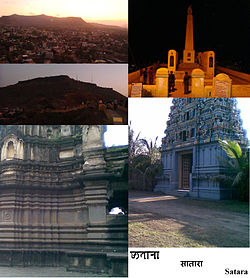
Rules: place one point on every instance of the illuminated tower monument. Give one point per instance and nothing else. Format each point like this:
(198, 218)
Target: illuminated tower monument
(188, 52)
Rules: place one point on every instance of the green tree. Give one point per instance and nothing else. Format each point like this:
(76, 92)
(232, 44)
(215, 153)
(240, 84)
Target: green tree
(144, 161)
(133, 140)
(236, 168)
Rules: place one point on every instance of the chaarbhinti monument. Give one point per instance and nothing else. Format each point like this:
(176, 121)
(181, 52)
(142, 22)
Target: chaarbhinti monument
(195, 75)
(190, 147)
(57, 187)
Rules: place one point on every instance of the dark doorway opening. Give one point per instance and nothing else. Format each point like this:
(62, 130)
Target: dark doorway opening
(186, 169)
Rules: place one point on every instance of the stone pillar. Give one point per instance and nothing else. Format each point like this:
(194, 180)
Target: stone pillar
(162, 82)
(93, 136)
(222, 86)
(210, 64)
(172, 60)
(198, 89)
(96, 198)
(188, 52)
(95, 178)
(92, 147)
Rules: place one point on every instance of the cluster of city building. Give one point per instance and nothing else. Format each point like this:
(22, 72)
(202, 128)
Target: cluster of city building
(39, 45)
(10, 113)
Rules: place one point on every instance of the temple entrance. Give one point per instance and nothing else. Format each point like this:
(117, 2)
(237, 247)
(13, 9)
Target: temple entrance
(185, 169)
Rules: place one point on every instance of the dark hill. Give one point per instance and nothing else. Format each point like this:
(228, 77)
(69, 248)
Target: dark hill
(49, 22)
(55, 91)
(42, 21)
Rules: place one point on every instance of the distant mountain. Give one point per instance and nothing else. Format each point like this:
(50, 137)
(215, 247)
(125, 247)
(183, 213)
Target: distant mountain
(114, 23)
(49, 22)
(42, 21)
(54, 91)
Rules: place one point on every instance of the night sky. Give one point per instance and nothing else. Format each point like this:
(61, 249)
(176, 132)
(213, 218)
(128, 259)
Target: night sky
(221, 26)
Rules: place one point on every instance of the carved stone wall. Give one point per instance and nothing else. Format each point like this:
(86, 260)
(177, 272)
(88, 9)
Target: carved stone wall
(56, 188)
(12, 148)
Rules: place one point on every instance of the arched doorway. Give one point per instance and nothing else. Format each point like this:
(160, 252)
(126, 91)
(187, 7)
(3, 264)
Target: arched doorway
(10, 150)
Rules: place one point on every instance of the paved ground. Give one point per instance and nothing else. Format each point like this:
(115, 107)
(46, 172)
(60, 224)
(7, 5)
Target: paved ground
(179, 90)
(157, 220)
(42, 272)
(37, 271)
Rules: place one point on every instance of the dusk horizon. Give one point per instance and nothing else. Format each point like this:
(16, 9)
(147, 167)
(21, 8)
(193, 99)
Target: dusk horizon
(91, 11)
(103, 75)
(61, 76)
(123, 23)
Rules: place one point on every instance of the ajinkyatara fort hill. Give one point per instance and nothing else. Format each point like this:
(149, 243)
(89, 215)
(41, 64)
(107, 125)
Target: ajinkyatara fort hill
(190, 149)
(59, 185)
(194, 75)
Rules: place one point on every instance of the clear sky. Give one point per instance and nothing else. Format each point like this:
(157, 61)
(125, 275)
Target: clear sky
(104, 75)
(88, 10)
(116, 135)
(149, 116)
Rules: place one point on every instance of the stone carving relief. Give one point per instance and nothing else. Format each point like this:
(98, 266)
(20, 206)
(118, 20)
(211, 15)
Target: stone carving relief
(92, 139)
(65, 130)
(7, 216)
(93, 136)
(12, 148)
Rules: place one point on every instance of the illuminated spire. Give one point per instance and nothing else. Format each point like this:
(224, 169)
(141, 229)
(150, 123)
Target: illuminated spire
(188, 54)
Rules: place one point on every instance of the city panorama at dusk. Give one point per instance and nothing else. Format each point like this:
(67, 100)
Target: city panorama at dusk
(63, 32)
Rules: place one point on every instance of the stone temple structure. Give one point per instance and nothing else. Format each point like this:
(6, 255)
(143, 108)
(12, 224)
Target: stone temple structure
(57, 187)
(190, 148)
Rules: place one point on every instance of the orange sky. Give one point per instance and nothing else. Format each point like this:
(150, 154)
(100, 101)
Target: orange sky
(89, 10)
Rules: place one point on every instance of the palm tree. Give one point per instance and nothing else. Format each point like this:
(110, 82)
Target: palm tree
(135, 175)
(134, 144)
(150, 149)
(236, 168)
(144, 161)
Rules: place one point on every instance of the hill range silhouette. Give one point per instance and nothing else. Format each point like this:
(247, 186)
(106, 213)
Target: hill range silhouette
(51, 22)
(54, 93)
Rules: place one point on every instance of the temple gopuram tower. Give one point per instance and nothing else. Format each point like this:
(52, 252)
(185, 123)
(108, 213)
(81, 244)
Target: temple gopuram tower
(58, 184)
(190, 148)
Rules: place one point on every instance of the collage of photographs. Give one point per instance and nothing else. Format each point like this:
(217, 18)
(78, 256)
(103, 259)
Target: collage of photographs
(124, 138)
